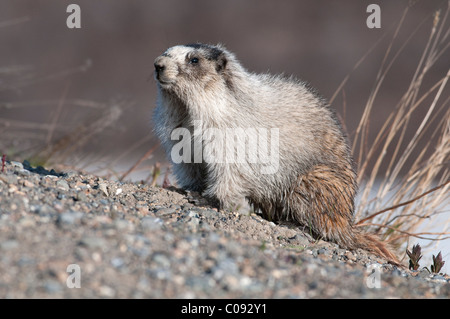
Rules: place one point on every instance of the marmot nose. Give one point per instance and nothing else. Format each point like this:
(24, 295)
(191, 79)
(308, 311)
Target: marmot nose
(159, 67)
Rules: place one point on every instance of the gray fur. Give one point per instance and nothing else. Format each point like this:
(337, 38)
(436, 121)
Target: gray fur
(315, 184)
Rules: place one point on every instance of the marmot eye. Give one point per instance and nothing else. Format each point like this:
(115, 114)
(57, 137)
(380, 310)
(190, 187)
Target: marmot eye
(193, 61)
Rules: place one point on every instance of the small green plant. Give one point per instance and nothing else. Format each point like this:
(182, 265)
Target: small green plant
(414, 257)
(437, 263)
(263, 245)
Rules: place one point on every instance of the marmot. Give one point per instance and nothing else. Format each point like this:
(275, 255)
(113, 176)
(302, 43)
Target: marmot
(203, 87)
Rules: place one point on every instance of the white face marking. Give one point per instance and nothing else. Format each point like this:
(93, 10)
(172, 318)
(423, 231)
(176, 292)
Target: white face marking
(178, 53)
(171, 59)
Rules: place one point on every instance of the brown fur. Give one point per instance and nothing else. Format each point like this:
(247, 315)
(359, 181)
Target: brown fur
(322, 200)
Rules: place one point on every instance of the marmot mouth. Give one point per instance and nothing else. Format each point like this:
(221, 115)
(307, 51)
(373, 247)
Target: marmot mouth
(162, 81)
(165, 84)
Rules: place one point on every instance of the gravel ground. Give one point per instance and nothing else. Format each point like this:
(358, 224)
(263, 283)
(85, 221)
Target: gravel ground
(130, 240)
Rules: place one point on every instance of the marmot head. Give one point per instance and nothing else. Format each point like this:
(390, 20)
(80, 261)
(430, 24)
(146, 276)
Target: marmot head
(192, 67)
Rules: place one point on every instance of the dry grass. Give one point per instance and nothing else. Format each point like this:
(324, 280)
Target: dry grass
(414, 184)
(65, 135)
(59, 141)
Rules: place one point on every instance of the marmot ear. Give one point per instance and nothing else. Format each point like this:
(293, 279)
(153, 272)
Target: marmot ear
(221, 63)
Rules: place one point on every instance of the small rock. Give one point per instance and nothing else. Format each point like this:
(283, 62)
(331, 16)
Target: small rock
(9, 244)
(161, 259)
(22, 172)
(106, 291)
(138, 197)
(424, 274)
(52, 286)
(224, 267)
(8, 179)
(69, 218)
(62, 184)
(103, 188)
(439, 278)
(27, 222)
(350, 255)
(121, 224)
(199, 283)
(93, 242)
(96, 257)
(193, 214)
(81, 196)
(210, 213)
(191, 220)
(16, 165)
(44, 210)
(187, 206)
(165, 211)
(70, 174)
(48, 176)
(27, 183)
(117, 262)
(13, 189)
(151, 223)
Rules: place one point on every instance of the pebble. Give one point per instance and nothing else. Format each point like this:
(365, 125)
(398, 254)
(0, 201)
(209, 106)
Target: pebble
(93, 242)
(165, 211)
(9, 244)
(81, 196)
(69, 218)
(103, 187)
(224, 267)
(16, 165)
(121, 224)
(190, 220)
(52, 286)
(27, 222)
(62, 184)
(106, 291)
(350, 256)
(27, 183)
(22, 172)
(44, 210)
(8, 179)
(161, 259)
(117, 262)
(151, 223)
(424, 273)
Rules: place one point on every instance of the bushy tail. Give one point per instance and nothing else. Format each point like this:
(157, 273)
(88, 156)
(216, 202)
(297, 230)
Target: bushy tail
(373, 244)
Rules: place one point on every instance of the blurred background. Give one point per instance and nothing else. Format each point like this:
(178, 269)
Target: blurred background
(85, 96)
